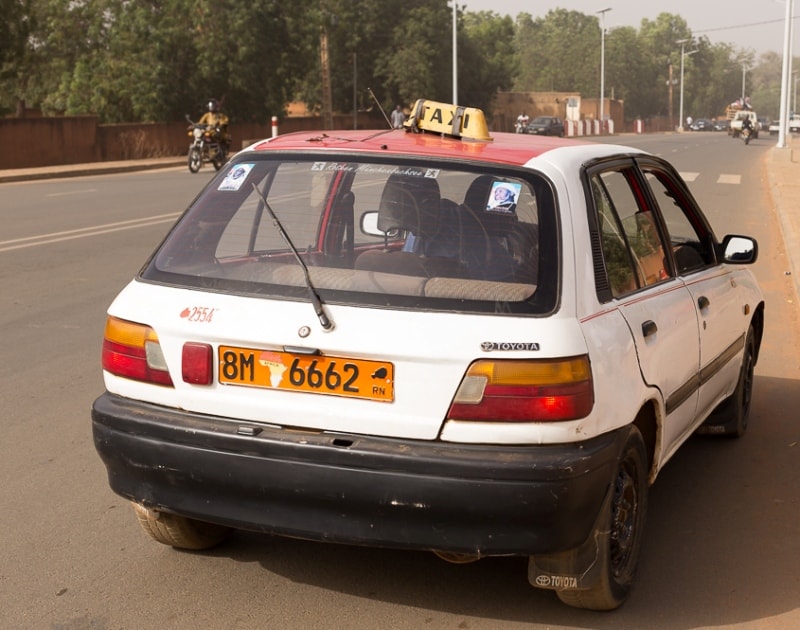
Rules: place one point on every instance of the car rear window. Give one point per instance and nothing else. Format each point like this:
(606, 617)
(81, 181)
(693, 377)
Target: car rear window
(437, 236)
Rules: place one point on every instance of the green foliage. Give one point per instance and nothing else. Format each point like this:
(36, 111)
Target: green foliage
(156, 60)
(554, 51)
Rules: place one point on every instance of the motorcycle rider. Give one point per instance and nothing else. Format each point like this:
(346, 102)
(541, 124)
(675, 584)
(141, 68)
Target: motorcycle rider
(522, 123)
(747, 129)
(215, 118)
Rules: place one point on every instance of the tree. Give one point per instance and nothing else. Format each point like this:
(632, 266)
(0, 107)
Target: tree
(486, 58)
(560, 52)
(418, 60)
(15, 31)
(628, 71)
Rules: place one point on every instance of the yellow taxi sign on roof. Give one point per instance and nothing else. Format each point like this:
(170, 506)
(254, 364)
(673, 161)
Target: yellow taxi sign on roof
(452, 120)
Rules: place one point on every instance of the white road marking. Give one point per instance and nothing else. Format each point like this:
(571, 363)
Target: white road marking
(689, 177)
(72, 192)
(729, 179)
(55, 237)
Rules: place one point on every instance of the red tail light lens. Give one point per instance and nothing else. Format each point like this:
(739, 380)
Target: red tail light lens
(525, 391)
(132, 351)
(197, 363)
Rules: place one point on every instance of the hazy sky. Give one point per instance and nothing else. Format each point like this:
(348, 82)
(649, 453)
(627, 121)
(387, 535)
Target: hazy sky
(720, 21)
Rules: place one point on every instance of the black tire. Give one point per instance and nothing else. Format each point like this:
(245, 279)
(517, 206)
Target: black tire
(619, 538)
(731, 417)
(178, 531)
(195, 159)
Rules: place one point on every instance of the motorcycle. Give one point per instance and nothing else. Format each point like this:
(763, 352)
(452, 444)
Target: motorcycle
(205, 146)
(746, 133)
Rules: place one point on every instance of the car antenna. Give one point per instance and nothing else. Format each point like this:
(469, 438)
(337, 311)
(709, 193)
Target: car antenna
(375, 98)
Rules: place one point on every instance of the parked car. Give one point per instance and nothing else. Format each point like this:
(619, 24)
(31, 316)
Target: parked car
(701, 124)
(546, 126)
(721, 124)
(429, 338)
(763, 123)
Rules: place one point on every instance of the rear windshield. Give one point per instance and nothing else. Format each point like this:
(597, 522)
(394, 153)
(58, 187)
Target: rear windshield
(407, 235)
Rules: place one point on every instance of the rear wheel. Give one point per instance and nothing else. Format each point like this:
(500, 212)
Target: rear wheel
(731, 417)
(195, 159)
(179, 531)
(619, 538)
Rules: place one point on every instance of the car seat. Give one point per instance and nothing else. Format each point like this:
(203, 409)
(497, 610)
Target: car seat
(410, 203)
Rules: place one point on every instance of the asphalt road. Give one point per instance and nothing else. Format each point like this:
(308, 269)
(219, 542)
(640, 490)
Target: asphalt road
(723, 539)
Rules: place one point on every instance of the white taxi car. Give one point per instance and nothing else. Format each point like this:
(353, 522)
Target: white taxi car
(429, 338)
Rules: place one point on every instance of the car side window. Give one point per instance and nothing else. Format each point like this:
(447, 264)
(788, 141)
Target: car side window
(633, 250)
(690, 243)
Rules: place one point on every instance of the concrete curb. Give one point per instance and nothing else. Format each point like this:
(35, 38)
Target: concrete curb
(783, 173)
(94, 168)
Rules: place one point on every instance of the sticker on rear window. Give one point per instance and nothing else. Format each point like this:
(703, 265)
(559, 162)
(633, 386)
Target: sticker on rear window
(503, 198)
(236, 177)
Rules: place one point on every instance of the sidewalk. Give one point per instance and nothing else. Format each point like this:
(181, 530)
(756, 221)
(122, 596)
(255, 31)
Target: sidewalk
(94, 168)
(783, 173)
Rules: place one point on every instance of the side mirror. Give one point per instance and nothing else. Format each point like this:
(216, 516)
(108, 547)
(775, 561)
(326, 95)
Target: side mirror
(739, 250)
(369, 225)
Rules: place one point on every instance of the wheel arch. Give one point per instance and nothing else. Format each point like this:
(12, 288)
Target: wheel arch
(757, 322)
(647, 423)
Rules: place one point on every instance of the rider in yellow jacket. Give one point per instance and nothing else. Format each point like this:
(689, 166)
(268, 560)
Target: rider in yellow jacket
(217, 119)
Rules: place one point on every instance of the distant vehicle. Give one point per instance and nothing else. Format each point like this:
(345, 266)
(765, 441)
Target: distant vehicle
(546, 126)
(794, 125)
(763, 123)
(721, 124)
(736, 123)
(701, 124)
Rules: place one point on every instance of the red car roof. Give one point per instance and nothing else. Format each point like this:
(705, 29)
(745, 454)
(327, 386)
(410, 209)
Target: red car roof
(507, 148)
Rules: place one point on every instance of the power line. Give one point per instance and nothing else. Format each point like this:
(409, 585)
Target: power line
(730, 28)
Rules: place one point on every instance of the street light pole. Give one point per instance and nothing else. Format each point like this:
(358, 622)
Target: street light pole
(455, 56)
(785, 74)
(602, 13)
(744, 69)
(682, 42)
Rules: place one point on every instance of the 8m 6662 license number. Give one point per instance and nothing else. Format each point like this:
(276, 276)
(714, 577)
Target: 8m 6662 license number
(355, 378)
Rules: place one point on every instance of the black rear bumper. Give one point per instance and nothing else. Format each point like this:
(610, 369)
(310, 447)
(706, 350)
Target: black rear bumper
(491, 500)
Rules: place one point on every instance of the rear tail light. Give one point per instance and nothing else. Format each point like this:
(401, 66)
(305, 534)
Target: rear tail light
(132, 351)
(525, 391)
(197, 363)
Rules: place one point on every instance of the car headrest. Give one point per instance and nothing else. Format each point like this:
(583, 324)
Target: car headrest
(410, 201)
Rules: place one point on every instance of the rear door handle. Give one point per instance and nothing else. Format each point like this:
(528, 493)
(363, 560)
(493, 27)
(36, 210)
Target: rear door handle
(649, 328)
(703, 302)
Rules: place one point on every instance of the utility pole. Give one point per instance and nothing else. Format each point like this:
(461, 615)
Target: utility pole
(455, 54)
(325, 69)
(602, 13)
(670, 83)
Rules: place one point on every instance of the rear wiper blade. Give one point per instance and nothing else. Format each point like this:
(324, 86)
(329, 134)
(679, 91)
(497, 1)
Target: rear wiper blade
(326, 323)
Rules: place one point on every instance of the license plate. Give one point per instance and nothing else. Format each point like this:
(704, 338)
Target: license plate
(317, 374)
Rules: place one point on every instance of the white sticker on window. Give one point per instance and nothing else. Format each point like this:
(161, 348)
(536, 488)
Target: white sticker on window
(236, 177)
(503, 198)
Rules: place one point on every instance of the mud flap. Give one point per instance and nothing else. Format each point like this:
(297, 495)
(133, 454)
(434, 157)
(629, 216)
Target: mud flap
(579, 568)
